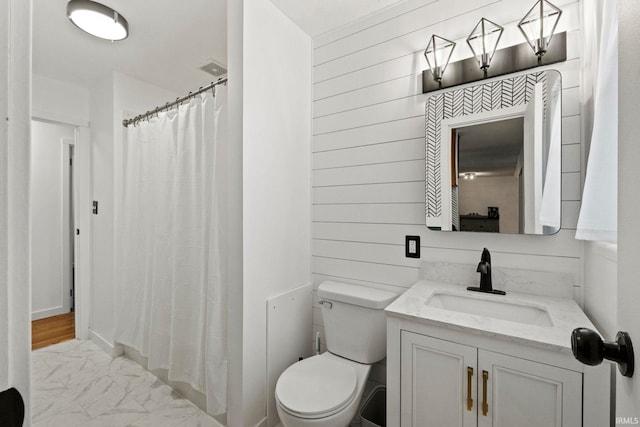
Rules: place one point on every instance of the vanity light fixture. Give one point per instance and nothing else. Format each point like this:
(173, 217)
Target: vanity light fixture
(438, 53)
(469, 175)
(539, 25)
(97, 19)
(483, 42)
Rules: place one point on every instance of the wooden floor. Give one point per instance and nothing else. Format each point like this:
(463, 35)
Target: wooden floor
(52, 330)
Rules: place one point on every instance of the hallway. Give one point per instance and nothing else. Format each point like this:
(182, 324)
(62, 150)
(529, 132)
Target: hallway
(52, 330)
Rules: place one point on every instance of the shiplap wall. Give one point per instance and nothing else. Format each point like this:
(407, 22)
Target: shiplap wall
(369, 148)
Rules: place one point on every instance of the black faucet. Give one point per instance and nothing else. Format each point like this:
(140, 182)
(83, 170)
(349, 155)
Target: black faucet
(484, 268)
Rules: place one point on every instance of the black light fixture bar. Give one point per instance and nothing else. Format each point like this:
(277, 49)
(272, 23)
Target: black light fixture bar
(505, 61)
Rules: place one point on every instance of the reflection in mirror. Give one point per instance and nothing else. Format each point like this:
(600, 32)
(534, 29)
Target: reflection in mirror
(493, 156)
(490, 160)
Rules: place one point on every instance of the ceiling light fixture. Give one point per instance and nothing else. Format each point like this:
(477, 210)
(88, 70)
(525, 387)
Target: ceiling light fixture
(97, 19)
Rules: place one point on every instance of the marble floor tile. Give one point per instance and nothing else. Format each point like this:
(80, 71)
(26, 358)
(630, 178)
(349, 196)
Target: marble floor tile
(174, 413)
(73, 416)
(199, 420)
(75, 383)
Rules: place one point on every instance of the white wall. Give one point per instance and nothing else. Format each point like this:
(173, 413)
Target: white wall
(235, 90)
(61, 102)
(601, 286)
(110, 100)
(276, 129)
(369, 139)
(50, 281)
(501, 191)
(15, 112)
(102, 224)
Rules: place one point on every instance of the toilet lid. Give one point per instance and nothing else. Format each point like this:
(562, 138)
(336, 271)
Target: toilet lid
(317, 386)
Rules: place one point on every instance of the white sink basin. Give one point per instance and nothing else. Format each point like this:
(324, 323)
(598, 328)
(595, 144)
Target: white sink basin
(495, 308)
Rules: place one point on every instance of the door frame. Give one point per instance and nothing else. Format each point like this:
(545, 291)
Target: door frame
(628, 317)
(68, 229)
(82, 220)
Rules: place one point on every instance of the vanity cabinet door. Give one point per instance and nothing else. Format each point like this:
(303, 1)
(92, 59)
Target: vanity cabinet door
(527, 394)
(438, 383)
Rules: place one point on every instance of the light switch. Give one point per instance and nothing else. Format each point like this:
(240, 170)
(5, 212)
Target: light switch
(412, 246)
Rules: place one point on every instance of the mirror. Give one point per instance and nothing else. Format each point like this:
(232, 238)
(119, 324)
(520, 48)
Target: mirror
(493, 156)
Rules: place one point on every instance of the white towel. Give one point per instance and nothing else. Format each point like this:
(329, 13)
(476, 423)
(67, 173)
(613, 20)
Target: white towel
(599, 212)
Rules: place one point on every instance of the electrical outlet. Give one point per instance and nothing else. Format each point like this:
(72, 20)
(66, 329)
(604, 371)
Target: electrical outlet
(412, 246)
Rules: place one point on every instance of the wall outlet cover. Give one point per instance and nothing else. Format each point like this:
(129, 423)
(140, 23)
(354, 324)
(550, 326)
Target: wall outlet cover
(412, 246)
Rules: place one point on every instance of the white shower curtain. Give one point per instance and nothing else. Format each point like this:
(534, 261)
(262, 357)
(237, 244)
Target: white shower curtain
(171, 274)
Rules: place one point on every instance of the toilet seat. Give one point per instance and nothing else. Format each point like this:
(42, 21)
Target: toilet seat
(316, 387)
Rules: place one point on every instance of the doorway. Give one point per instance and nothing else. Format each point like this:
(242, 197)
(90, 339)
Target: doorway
(52, 217)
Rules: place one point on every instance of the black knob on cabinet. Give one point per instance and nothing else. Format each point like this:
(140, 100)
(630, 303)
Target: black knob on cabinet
(588, 348)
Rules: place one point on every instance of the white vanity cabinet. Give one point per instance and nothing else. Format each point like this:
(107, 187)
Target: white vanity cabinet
(489, 361)
(437, 379)
(443, 383)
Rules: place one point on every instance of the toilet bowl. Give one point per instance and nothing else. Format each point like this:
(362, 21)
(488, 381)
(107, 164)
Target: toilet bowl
(325, 390)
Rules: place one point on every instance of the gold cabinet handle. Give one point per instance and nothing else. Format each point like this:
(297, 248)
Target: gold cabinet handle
(469, 379)
(485, 405)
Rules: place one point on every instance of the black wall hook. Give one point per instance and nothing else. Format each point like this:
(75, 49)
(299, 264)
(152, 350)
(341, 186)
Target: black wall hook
(588, 348)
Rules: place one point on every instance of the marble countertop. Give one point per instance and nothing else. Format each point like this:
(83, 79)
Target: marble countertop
(564, 313)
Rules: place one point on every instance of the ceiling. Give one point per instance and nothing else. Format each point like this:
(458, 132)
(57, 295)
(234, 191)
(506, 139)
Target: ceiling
(168, 42)
(166, 46)
(491, 149)
(319, 16)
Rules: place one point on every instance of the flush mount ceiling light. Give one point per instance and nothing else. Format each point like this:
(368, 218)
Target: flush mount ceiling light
(483, 42)
(438, 53)
(539, 24)
(97, 19)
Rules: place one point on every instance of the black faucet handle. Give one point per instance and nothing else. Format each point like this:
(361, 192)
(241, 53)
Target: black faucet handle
(482, 267)
(486, 256)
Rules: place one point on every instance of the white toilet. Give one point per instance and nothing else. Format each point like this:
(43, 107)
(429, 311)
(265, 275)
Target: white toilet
(325, 390)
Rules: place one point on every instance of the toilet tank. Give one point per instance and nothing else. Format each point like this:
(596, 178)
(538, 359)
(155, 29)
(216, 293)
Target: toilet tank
(354, 321)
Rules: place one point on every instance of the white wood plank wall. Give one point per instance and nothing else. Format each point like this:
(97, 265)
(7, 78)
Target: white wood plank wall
(368, 148)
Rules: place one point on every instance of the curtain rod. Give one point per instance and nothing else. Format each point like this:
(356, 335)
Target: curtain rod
(170, 105)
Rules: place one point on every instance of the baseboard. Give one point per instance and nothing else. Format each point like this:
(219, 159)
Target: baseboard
(216, 422)
(114, 350)
(48, 312)
(262, 423)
